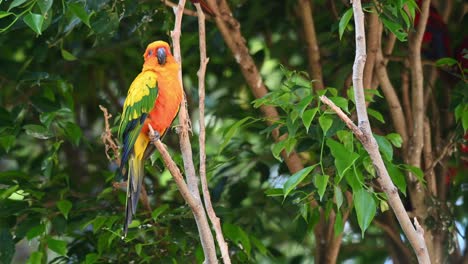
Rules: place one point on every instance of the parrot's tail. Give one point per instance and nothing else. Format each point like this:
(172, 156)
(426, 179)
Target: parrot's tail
(134, 182)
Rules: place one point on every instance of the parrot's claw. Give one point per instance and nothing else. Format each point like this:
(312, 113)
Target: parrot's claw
(153, 134)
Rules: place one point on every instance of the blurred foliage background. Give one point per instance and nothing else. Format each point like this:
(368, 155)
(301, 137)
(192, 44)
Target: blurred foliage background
(60, 60)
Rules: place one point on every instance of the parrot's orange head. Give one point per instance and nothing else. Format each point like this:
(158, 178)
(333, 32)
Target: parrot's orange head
(157, 54)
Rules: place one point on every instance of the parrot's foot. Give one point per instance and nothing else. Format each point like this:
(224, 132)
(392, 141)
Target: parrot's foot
(153, 134)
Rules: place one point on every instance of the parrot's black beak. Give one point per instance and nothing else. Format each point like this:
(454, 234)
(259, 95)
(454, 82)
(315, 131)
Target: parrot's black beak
(161, 56)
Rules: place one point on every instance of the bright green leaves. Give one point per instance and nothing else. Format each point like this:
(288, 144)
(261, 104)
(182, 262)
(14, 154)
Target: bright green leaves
(238, 236)
(461, 115)
(64, 206)
(78, 10)
(446, 62)
(38, 131)
(320, 182)
(365, 207)
(58, 246)
(308, 116)
(16, 3)
(67, 55)
(344, 159)
(296, 179)
(344, 21)
(45, 5)
(233, 131)
(34, 21)
(395, 28)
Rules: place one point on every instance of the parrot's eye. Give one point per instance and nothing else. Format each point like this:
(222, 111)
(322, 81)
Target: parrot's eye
(161, 56)
(150, 53)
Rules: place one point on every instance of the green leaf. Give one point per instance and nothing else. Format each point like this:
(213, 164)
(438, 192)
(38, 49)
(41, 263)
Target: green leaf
(231, 132)
(34, 21)
(302, 105)
(5, 193)
(296, 178)
(237, 235)
(138, 248)
(6, 142)
(325, 123)
(15, 4)
(308, 116)
(344, 21)
(37, 131)
(67, 55)
(274, 192)
(344, 159)
(64, 207)
(259, 245)
(375, 114)
(35, 258)
(395, 28)
(365, 207)
(398, 178)
(395, 139)
(276, 149)
(340, 102)
(321, 181)
(45, 5)
(158, 211)
(7, 246)
(338, 196)
(78, 10)
(35, 231)
(91, 258)
(5, 14)
(338, 225)
(73, 132)
(446, 61)
(385, 147)
(415, 171)
(58, 246)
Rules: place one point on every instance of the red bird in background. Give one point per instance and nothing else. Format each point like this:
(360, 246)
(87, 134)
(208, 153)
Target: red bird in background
(205, 7)
(436, 40)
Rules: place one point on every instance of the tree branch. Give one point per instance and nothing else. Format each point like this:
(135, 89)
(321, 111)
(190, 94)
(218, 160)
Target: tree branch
(417, 89)
(206, 236)
(396, 111)
(372, 48)
(215, 222)
(304, 9)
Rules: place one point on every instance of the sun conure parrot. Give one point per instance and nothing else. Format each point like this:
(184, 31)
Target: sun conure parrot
(153, 98)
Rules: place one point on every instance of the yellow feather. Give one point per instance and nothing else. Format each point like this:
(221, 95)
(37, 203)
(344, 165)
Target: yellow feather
(140, 146)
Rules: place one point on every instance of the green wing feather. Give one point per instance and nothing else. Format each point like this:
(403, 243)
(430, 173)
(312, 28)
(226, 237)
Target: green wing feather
(139, 102)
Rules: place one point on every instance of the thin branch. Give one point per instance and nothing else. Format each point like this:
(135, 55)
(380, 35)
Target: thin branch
(394, 236)
(206, 237)
(174, 5)
(304, 9)
(372, 48)
(417, 88)
(406, 101)
(446, 151)
(427, 151)
(396, 111)
(108, 139)
(215, 222)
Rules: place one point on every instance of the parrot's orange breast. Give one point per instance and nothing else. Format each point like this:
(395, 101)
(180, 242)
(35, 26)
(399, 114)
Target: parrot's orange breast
(166, 105)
